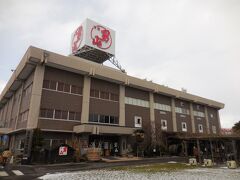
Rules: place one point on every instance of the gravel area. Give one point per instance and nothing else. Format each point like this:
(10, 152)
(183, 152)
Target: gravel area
(199, 173)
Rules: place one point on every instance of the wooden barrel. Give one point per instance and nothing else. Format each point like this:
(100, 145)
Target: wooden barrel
(93, 154)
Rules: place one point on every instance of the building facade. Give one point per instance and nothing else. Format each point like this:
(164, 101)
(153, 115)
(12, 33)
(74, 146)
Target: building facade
(69, 97)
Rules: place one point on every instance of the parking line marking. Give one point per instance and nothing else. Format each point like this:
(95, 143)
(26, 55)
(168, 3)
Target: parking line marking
(17, 172)
(3, 173)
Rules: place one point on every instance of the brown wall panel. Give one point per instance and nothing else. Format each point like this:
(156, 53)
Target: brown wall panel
(161, 99)
(104, 86)
(104, 107)
(63, 76)
(62, 101)
(136, 93)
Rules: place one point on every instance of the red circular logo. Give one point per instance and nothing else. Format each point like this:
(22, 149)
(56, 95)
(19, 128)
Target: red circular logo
(101, 37)
(77, 39)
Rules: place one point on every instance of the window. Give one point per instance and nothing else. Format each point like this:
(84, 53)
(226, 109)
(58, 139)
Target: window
(164, 124)
(163, 112)
(94, 93)
(53, 85)
(60, 86)
(181, 110)
(184, 127)
(162, 107)
(46, 84)
(76, 90)
(182, 104)
(58, 114)
(200, 128)
(198, 107)
(113, 97)
(21, 144)
(104, 95)
(198, 113)
(66, 88)
(138, 121)
(105, 119)
(214, 129)
(136, 102)
(46, 113)
(64, 115)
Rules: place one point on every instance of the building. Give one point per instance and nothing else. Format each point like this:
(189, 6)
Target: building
(69, 97)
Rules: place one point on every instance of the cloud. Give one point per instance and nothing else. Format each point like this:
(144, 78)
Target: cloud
(189, 43)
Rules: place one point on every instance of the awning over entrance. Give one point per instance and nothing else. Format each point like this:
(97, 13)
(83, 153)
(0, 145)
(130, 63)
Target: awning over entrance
(5, 130)
(103, 129)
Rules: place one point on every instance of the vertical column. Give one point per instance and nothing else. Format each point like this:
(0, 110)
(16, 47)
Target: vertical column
(36, 95)
(152, 118)
(207, 120)
(198, 148)
(121, 105)
(174, 119)
(86, 99)
(192, 118)
(219, 123)
(234, 150)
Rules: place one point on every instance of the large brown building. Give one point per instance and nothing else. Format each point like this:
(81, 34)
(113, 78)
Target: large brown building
(69, 97)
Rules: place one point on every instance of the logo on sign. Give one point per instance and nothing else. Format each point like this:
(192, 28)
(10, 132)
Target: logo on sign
(63, 151)
(77, 39)
(101, 37)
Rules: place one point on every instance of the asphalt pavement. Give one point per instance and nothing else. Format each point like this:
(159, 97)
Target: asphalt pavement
(29, 172)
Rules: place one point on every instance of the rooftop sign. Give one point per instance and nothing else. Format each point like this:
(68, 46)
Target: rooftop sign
(93, 41)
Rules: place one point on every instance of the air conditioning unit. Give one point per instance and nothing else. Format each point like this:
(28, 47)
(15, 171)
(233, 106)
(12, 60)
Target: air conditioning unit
(231, 164)
(193, 161)
(208, 162)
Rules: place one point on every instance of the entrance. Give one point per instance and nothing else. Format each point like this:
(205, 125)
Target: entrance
(109, 144)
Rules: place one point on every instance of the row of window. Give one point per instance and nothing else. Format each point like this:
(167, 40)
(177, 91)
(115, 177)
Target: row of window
(105, 119)
(103, 95)
(136, 102)
(198, 113)
(60, 114)
(62, 87)
(162, 107)
(181, 110)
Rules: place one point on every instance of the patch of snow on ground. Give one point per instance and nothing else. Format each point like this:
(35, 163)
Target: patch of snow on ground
(200, 173)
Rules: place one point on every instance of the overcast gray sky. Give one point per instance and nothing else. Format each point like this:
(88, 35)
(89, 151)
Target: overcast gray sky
(193, 44)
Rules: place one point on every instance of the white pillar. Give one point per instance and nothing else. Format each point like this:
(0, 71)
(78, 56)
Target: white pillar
(174, 119)
(121, 105)
(152, 117)
(36, 95)
(86, 99)
(192, 118)
(207, 120)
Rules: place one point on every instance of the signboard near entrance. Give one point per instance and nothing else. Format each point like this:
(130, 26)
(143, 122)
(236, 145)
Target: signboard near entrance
(63, 150)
